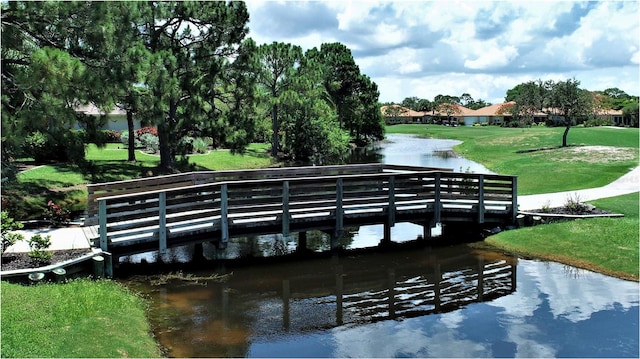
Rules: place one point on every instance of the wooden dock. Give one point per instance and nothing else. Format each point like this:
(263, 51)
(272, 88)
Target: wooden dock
(157, 213)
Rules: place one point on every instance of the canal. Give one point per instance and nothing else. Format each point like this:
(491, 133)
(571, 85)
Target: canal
(453, 301)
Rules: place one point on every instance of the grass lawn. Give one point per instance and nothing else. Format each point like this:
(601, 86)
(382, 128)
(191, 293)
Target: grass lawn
(66, 184)
(80, 319)
(505, 151)
(605, 245)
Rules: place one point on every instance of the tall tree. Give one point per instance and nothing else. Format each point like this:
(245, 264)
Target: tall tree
(279, 62)
(192, 46)
(310, 122)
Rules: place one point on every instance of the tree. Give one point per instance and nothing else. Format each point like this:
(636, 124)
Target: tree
(566, 99)
(526, 100)
(192, 48)
(349, 92)
(630, 113)
(46, 49)
(279, 62)
(310, 124)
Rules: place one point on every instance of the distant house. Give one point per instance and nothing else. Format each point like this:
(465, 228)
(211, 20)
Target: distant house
(116, 119)
(396, 114)
(446, 114)
(617, 117)
(498, 114)
(491, 115)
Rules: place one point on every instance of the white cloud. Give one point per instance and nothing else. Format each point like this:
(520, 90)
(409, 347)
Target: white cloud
(426, 48)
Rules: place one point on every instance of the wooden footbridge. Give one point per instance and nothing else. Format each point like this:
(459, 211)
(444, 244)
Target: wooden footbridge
(156, 213)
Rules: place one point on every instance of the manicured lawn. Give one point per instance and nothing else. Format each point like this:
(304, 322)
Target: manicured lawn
(606, 245)
(80, 319)
(66, 184)
(506, 151)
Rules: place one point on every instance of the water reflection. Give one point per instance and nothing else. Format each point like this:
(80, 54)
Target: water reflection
(443, 302)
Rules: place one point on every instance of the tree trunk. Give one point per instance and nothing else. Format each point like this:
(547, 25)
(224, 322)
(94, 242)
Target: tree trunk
(564, 136)
(132, 142)
(276, 128)
(164, 139)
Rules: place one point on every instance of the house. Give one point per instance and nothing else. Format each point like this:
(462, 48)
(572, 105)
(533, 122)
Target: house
(446, 114)
(396, 114)
(116, 119)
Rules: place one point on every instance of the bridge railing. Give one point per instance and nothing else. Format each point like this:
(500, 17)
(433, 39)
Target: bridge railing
(230, 208)
(203, 177)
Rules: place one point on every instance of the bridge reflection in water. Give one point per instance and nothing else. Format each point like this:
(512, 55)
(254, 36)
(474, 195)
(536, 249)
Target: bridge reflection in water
(287, 299)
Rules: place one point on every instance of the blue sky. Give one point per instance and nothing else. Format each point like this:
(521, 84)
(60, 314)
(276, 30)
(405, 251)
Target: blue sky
(484, 48)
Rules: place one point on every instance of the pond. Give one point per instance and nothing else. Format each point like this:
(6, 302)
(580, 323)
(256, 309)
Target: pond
(453, 301)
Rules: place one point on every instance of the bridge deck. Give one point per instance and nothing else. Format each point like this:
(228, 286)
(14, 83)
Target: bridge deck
(146, 217)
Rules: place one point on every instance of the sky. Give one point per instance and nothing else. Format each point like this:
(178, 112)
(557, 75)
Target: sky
(483, 48)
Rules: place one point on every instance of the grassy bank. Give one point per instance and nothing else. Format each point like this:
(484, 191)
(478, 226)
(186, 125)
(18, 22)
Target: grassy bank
(79, 319)
(605, 245)
(533, 154)
(66, 184)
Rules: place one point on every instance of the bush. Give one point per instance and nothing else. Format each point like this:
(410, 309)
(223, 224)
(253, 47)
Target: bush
(200, 145)
(185, 146)
(56, 215)
(35, 146)
(148, 129)
(63, 146)
(112, 136)
(124, 138)
(8, 225)
(150, 142)
(39, 246)
(598, 122)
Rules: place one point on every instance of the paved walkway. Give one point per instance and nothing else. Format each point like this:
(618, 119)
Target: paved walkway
(626, 184)
(75, 238)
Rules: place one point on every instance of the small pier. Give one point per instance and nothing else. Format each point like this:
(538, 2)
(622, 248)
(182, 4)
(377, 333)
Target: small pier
(128, 217)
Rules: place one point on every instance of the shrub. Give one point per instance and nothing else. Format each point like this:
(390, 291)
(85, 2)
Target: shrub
(112, 136)
(598, 122)
(39, 246)
(56, 215)
(8, 225)
(148, 129)
(64, 146)
(124, 138)
(150, 142)
(574, 205)
(35, 146)
(200, 145)
(185, 146)
(72, 144)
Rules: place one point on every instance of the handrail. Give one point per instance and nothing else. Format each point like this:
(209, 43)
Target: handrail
(391, 192)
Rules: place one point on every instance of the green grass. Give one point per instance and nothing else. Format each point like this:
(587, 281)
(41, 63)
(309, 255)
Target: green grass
(606, 245)
(79, 319)
(502, 150)
(66, 184)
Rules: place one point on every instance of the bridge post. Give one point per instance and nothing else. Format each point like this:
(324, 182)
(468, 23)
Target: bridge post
(102, 216)
(339, 214)
(392, 202)
(436, 203)
(285, 208)
(481, 199)
(514, 198)
(162, 222)
(224, 219)
(391, 211)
